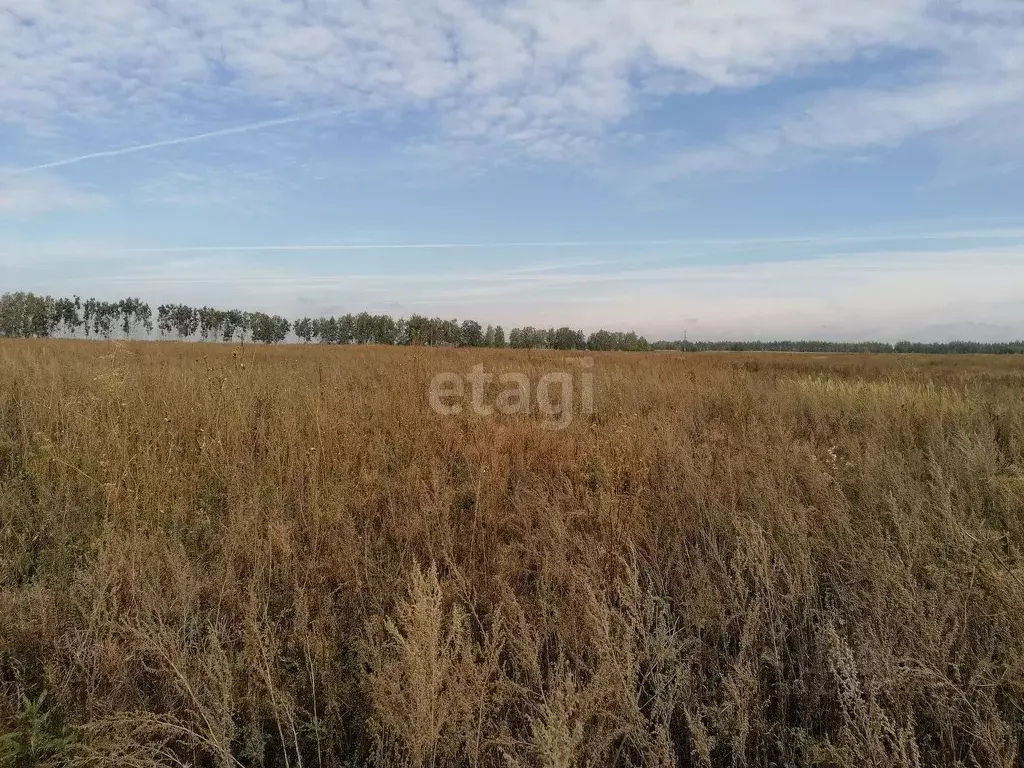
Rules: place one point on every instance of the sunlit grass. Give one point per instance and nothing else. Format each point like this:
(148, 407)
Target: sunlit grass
(212, 555)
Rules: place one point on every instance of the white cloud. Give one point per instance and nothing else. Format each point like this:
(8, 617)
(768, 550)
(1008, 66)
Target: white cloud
(543, 76)
(975, 70)
(852, 119)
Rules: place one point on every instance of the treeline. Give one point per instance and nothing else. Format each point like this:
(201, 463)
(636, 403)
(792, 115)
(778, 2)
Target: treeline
(901, 347)
(27, 315)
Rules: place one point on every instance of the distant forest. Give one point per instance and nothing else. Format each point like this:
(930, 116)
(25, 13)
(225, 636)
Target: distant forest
(27, 315)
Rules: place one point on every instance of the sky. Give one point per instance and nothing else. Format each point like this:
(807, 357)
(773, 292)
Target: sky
(736, 169)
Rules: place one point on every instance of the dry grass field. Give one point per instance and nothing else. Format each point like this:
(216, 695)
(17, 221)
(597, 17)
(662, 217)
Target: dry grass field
(285, 557)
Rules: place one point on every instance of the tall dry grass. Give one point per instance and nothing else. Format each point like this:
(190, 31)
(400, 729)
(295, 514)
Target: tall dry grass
(284, 558)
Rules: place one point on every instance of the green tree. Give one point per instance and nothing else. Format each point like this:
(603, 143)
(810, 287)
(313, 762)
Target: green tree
(346, 329)
(471, 334)
(305, 329)
(25, 315)
(269, 329)
(211, 321)
(134, 313)
(386, 329)
(566, 338)
(66, 315)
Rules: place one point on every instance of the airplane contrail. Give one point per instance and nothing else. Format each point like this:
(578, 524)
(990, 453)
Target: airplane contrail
(172, 142)
(399, 246)
(997, 234)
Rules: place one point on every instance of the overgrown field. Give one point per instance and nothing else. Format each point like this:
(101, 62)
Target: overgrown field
(285, 557)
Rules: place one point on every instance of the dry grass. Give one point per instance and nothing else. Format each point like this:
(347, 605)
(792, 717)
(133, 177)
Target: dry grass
(285, 558)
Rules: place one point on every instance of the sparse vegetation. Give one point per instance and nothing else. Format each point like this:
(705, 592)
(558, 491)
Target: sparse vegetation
(280, 556)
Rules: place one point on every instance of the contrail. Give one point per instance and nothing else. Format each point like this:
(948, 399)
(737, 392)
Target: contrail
(399, 246)
(998, 234)
(1011, 234)
(173, 142)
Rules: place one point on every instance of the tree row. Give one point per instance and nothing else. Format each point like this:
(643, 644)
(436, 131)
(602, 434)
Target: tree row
(27, 315)
(880, 347)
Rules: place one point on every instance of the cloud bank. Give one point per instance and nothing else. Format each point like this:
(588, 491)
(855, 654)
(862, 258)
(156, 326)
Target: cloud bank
(548, 78)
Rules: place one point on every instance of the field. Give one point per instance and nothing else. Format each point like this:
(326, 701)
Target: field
(223, 556)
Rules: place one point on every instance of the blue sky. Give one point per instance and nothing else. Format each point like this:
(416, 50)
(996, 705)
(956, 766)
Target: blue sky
(744, 169)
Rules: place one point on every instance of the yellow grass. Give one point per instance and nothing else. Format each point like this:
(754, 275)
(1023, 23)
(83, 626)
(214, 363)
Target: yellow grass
(284, 557)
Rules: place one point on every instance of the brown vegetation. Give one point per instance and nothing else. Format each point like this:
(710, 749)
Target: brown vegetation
(283, 557)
